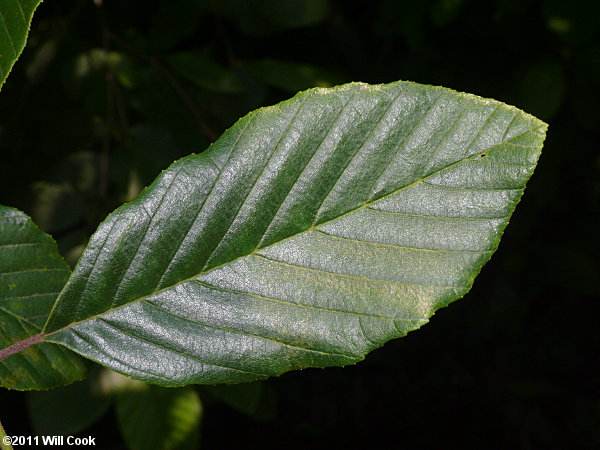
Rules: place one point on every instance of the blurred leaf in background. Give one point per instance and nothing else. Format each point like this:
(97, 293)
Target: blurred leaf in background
(291, 76)
(156, 417)
(257, 400)
(68, 410)
(266, 17)
(205, 72)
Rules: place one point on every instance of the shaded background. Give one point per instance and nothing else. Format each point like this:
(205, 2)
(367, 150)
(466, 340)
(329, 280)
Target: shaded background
(107, 94)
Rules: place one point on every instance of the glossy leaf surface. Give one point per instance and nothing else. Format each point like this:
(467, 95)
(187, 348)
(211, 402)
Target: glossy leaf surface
(15, 17)
(309, 234)
(32, 273)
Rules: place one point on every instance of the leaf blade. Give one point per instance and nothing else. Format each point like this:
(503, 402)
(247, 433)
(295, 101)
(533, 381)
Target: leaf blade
(298, 238)
(15, 18)
(32, 273)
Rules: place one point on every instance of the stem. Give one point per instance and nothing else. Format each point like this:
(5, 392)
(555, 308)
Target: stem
(3, 445)
(16, 348)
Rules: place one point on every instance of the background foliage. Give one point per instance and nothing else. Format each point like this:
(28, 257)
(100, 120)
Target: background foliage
(107, 94)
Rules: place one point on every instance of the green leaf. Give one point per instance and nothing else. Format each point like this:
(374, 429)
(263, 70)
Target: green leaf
(70, 409)
(3, 444)
(156, 417)
(32, 273)
(15, 18)
(309, 234)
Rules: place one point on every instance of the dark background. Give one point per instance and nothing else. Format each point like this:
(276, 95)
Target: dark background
(105, 96)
